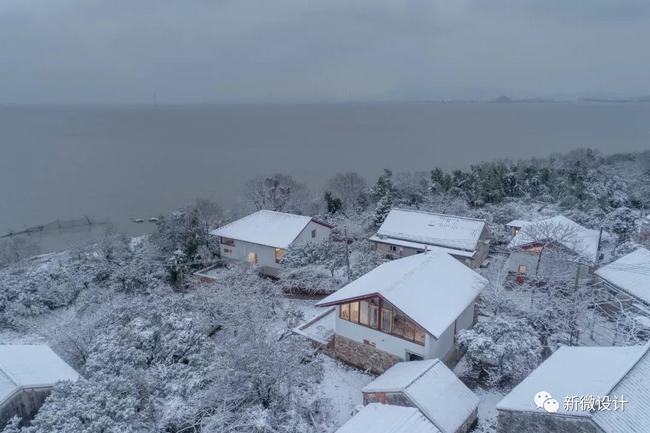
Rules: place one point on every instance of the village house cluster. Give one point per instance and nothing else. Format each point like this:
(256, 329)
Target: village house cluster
(401, 319)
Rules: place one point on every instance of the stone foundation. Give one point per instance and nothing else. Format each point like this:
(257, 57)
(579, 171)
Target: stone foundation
(363, 356)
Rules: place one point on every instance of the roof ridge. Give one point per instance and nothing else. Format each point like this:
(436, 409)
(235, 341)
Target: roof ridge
(425, 371)
(438, 214)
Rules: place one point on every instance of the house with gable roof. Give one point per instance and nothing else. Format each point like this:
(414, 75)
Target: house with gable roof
(406, 309)
(263, 237)
(27, 375)
(598, 390)
(406, 232)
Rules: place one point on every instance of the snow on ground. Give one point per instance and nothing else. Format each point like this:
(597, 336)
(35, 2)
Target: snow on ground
(342, 385)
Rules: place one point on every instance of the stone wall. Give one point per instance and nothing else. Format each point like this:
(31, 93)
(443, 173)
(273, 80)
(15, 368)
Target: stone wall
(533, 422)
(363, 356)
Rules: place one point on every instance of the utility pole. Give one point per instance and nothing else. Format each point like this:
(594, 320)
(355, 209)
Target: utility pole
(600, 239)
(347, 252)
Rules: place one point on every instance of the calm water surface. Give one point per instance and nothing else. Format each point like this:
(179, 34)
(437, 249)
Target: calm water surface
(123, 162)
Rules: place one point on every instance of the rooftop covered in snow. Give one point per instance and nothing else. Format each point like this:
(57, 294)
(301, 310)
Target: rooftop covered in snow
(426, 228)
(30, 366)
(433, 389)
(575, 371)
(383, 418)
(560, 229)
(431, 288)
(265, 227)
(630, 273)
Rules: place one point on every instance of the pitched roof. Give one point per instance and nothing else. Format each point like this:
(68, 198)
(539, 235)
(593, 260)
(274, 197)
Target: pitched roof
(265, 227)
(631, 273)
(574, 371)
(383, 418)
(431, 288)
(581, 240)
(30, 366)
(432, 229)
(432, 388)
(634, 388)
(517, 223)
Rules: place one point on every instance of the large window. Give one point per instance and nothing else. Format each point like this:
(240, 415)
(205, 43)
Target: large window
(378, 314)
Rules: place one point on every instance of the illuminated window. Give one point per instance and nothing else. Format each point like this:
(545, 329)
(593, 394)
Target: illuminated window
(387, 320)
(344, 311)
(374, 316)
(279, 253)
(363, 312)
(354, 312)
(522, 269)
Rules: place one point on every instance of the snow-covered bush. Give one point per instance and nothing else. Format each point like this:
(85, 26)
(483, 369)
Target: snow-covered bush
(500, 351)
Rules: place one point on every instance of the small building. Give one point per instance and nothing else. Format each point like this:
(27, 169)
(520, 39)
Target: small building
(629, 276)
(515, 226)
(27, 375)
(263, 237)
(383, 418)
(582, 389)
(406, 309)
(406, 232)
(432, 388)
(542, 247)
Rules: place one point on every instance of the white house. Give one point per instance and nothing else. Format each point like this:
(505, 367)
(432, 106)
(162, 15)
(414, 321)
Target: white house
(530, 248)
(588, 384)
(27, 375)
(630, 276)
(405, 309)
(406, 232)
(432, 388)
(263, 237)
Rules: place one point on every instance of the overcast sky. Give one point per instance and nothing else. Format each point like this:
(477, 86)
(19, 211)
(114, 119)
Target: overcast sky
(310, 50)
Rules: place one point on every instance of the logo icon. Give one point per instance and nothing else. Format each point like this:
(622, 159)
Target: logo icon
(544, 400)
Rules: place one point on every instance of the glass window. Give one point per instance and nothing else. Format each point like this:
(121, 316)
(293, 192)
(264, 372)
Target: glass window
(522, 269)
(420, 334)
(374, 316)
(279, 253)
(313, 233)
(344, 311)
(363, 312)
(354, 312)
(228, 241)
(387, 320)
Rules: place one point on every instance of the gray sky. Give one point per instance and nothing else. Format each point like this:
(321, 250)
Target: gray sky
(306, 50)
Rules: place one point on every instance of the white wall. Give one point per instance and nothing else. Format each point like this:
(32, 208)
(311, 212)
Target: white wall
(385, 342)
(265, 255)
(322, 233)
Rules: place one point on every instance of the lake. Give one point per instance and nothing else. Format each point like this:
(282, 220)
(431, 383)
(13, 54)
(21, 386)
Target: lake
(117, 163)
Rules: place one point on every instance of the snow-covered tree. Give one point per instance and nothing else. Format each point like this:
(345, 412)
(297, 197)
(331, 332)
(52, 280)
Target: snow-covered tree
(501, 351)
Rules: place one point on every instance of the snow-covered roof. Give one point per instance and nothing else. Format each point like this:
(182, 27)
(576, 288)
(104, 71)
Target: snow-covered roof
(432, 229)
(265, 227)
(630, 273)
(320, 328)
(30, 366)
(431, 288)
(517, 223)
(581, 240)
(574, 371)
(384, 418)
(432, 388)
(634, 388)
